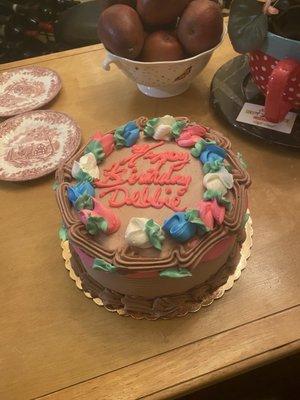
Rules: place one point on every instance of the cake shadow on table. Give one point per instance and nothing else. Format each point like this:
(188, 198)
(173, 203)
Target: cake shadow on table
(155, 214)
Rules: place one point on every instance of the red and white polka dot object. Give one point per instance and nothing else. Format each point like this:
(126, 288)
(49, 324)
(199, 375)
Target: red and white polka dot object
(279, 80)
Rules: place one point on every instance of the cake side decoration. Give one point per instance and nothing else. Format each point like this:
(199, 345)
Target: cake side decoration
(103, 265)
(175, 273)
(126, 135)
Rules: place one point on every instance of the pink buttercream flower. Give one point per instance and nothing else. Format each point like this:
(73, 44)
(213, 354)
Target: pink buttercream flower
(191, 135)
(112, 220)
(107, 141)
(211, 211)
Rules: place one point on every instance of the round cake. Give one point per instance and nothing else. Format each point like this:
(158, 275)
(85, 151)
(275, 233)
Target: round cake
(155, 213)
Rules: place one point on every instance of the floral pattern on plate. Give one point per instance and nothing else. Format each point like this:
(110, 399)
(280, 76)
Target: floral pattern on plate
(27, 88)
(35, 143)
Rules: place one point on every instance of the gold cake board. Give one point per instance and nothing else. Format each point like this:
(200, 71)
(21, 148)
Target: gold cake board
(217, 294)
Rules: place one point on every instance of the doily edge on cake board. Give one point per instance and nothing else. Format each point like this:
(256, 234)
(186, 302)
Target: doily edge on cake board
(217, 294)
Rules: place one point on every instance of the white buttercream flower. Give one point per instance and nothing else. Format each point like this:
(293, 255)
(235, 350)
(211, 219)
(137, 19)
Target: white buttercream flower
(88, 164)
(136, 235)
(163, 128)
(218, 181)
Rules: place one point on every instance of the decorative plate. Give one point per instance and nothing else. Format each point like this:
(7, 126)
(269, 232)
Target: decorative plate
(35, 143)
(25, 89)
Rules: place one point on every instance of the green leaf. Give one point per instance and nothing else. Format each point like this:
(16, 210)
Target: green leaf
(213, 166)
(222, 201)
(150, 127)
(177, 128)
(200, 146)
(247, 25)
(103, 265)
(84, 202)
(242, 161)
(154, 233)
(193, 217)
(96, 148)
(96, 225)
(55, 185)
(119, 137)
(245, 219)
(63, 233)
(175, 273)
(83, 176)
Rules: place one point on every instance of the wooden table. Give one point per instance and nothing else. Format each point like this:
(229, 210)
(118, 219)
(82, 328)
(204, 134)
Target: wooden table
(58, 344)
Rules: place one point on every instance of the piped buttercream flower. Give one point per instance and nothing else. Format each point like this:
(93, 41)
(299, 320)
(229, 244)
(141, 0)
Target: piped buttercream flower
(208, 151)
(80, 195)
(113, 222)
(191, 135)
(144, 233)
(100, 219)
(164, 128)
(93, 222)
(182, 226)
(126, 135)
(211, 211)
(86, 168)
(218, 181)
(100, 145)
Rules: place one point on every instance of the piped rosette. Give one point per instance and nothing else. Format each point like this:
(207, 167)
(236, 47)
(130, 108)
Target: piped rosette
(100, 219)
(101, 146)
(144, 233)
(164, 128)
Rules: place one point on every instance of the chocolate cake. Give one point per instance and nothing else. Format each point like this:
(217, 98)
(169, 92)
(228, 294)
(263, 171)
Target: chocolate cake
(155, 215)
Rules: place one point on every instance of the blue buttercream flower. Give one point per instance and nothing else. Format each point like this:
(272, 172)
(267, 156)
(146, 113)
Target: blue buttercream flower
(74, 192)
(179, 227)
(212, 153)
(131, 133)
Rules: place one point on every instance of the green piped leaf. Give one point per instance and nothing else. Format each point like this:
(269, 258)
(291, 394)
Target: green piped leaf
(119, 137)
(177, 128)
(213, 194)
(245, 219)
(103, 265)
(193, 217)
(213, 166)
(200, 146)
(154, 233)
(149, 129)
(175, 273)
(63, 233)
(96, 225)
(242, 161)
(55, 185)
(84, 202)
(96, 148)
(84, 176)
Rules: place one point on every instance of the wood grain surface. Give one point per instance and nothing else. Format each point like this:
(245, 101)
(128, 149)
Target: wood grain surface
(55, 342)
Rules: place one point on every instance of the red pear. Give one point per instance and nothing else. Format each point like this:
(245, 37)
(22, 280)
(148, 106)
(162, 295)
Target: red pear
(121, 31)
(161, 46)
(160, 12)
(200, 27)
